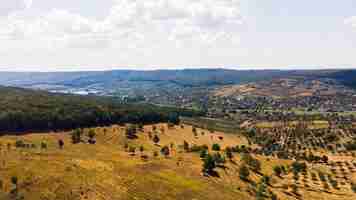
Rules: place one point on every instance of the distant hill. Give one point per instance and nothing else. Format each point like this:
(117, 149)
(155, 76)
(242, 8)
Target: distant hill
(346, 77)
(32, 78)
(187, 77)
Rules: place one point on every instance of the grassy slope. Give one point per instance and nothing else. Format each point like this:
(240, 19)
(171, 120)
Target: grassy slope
(106, 171)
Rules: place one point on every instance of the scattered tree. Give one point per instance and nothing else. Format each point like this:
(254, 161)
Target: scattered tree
(142, 149)
(194, 129)
(299, 167)
(156, 139)
(261, 190)
(60, 143)
(244, 172)
(294, 188)
(274, 196)
(76, 136)
(186, 146)
(91, 135)
(353, 187)
(228, 153)
(155, 153)
(165, 151)
(14, 181)
(43, 145)
(131, 132)
(132, 150)
(265, 179)
(203, 153)
(219, 159)
(216, 147)
(252, 162)
(277, 170)
(208, 165)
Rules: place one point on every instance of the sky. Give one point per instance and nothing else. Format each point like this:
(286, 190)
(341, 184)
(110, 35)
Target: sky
(71, 35)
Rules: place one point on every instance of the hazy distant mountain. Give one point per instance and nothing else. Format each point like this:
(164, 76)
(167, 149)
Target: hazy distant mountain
(29, 78)
(188, 77)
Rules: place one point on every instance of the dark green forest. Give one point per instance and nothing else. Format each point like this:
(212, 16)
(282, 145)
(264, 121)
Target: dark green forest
(24, 110)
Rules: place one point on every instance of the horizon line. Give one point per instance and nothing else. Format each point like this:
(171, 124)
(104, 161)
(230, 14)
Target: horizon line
(240, 68)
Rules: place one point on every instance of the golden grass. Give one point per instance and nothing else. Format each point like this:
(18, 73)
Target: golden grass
(106, 171)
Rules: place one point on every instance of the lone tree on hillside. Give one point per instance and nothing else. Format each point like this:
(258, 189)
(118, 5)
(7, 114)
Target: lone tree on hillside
(186, 146)
(208, 165)
(165, 151)
(266, 179)
(170, 125)
(299, 167)
(261, 191)
(254, 164)
(76, 136)
(203, 153)
(91, 136)
(155, 153)
(218, 158)
(277, 170)
(43, 145)
(142, 149)
(132, 150)
(274, 196)
(244, 172)
(216, 147)
(228, 153)
(294, 188)
(325, 158)
(194, 129)
(14, 181)
(140, 127)
(156, 139)
(60, 143)
(131, 132)
(353, 187)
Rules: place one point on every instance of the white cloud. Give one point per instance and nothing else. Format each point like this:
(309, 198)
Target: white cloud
(28, 3)
(192, 21)
(351, 21)
(7, 7)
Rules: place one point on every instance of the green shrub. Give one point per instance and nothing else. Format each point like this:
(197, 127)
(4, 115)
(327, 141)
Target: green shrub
(277, 170)
(208, 164)
(353, 187)
(244, 172)
(20, 144)
(216, 147)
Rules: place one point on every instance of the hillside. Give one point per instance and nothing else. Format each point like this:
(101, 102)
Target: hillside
(23, 110)
(119, 168)
(286, 88)
(306, 94)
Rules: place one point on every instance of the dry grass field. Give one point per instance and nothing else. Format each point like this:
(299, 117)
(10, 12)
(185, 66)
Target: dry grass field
(107, 170)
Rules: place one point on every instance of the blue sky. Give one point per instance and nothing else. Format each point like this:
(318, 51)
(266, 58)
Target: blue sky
(42, 35)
